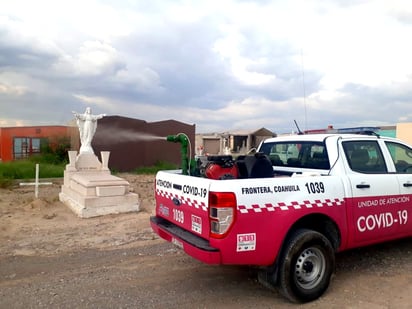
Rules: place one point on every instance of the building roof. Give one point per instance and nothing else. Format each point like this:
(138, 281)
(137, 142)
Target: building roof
(33, 127)
(259, 132)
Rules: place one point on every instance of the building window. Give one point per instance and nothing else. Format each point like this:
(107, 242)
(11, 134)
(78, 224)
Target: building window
(239, 143)
(24, 147)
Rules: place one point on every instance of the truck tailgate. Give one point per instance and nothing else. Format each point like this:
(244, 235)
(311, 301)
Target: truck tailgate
(183, 201)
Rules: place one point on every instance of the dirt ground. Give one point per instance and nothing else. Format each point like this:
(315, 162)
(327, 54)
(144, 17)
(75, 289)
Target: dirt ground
(50, 258)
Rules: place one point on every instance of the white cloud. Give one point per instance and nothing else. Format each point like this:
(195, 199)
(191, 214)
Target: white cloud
(144, 79)
(17, 34)
(12, 123)
(12, 90)
(228, 49)
(358, 44)
(62, 20)
(100, 102)
(93, 58)
(15, 83)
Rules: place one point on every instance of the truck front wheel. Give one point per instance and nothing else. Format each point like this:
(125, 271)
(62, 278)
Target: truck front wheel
(306, 265)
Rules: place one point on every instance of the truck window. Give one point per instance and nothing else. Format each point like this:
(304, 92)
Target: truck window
(364, 157)
(311, 155)
(401, 156)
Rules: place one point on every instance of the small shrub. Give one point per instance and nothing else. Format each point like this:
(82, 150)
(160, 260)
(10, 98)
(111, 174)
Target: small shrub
(54, 151)
(26, 169)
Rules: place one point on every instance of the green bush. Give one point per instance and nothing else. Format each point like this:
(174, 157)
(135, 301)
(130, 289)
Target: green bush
(53, 155)
(52, 161)
(26, 169)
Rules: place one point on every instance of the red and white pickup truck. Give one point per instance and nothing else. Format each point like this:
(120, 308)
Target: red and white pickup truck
(290, 207)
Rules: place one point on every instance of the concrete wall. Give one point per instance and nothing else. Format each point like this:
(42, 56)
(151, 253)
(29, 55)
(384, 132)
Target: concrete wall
(135, 143)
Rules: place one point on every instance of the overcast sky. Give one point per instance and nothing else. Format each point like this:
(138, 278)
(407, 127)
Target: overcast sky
(221, 65)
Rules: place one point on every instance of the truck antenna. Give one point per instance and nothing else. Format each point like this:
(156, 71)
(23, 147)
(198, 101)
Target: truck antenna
(299, 131)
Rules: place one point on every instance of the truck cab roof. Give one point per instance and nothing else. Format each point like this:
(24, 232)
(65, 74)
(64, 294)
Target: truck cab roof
(318, 137)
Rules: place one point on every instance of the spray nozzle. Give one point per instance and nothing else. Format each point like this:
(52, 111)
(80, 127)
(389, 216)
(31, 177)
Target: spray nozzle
(179, 138)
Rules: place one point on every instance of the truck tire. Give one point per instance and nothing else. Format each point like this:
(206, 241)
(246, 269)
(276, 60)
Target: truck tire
(306, 265)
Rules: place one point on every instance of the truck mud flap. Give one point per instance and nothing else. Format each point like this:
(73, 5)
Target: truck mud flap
(182, 234)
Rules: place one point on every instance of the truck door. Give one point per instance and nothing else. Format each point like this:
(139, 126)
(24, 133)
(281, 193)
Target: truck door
(402, 159)
(371, 217)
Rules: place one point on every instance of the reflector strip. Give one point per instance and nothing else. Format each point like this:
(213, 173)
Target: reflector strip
(258, 208)
(269, 207)
(187, 201)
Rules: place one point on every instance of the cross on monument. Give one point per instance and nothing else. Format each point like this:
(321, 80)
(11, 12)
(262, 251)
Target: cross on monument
(36, 183)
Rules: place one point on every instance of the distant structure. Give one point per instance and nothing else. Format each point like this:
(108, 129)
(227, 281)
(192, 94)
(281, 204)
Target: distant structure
(231, 142)
(22, 142)
(404, 132)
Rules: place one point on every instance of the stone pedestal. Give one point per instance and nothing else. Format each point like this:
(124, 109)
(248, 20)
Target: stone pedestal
(90, 190)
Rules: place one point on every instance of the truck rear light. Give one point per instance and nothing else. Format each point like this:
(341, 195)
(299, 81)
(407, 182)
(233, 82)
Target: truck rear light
(222, 211)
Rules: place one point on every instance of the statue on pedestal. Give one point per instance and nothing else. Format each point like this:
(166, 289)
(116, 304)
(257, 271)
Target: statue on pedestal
(89, 189)
(87, 124)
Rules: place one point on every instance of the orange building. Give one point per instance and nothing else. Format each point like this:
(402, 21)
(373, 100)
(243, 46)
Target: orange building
(21, 142)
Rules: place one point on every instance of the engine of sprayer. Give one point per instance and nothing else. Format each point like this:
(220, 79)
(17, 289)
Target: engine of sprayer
(257, 165)
(217, 167)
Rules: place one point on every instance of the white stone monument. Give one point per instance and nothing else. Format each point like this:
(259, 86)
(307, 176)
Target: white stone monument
(89, 189)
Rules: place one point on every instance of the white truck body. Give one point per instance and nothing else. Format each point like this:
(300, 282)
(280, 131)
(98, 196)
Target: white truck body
(329, 193)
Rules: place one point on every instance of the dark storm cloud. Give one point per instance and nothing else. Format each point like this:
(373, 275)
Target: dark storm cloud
(189, 71)
(24, 57)
(20, 51)
(192, 74)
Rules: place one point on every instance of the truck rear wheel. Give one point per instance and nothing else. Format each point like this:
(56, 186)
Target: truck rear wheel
(306, 265)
